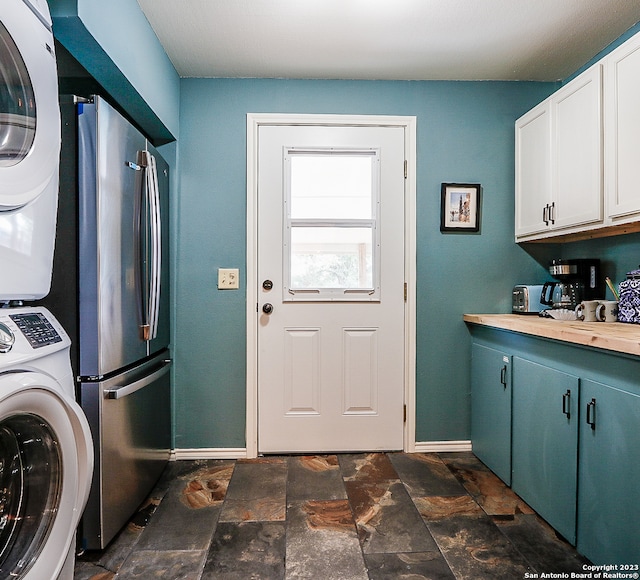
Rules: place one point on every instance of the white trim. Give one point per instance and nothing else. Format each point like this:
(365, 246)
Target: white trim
(441, 446)
(242, 453)
(254, 120)
(410, 279)
(209, 453)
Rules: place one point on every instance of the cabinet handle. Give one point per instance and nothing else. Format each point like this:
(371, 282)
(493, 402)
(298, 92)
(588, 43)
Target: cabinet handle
(503, 376)
(552, 213)
(591, 414)
(566, 404)
(545, 209)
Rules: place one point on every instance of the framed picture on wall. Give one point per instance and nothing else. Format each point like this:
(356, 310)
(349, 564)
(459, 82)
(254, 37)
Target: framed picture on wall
(460, 207)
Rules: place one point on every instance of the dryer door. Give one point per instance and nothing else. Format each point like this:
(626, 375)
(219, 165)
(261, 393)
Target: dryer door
(29, 110)
(46, 461)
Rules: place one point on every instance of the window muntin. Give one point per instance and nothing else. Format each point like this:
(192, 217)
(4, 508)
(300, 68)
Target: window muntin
(331, 237)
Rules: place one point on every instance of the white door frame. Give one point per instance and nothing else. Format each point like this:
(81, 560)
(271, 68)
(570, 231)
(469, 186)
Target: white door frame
(254, 121)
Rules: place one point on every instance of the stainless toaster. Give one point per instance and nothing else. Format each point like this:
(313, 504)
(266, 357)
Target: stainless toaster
(526, 299)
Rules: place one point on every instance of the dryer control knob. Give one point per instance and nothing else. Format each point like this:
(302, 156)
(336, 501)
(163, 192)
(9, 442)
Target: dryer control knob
(6, 338)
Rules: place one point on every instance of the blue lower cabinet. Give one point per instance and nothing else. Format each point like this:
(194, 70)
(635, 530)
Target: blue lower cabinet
(609, 475)
(565, 422)
(491, 409)
(545, 443)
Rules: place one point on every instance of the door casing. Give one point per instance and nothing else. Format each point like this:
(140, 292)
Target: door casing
(254, 121)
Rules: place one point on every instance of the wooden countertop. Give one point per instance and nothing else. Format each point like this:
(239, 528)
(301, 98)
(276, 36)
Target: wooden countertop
(617, 336)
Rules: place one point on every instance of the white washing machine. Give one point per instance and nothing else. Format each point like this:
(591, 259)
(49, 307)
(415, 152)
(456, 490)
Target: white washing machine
(29, 149)
(46, 452)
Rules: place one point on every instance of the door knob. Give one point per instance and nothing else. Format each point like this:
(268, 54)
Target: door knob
(267, 308)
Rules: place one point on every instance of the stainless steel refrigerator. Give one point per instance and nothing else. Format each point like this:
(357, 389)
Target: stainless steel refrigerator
(110, 290)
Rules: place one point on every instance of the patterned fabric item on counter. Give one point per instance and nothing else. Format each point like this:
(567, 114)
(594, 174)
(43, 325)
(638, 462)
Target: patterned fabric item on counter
(629, 305)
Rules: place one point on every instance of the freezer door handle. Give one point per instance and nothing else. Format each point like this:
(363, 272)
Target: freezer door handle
(122, 391)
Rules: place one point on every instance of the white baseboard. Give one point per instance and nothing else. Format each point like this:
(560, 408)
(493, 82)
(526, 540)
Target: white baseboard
(209, 453)
(441, 446)
(241, 452)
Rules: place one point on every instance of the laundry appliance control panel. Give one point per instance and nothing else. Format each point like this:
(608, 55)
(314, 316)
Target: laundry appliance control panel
(36, 328)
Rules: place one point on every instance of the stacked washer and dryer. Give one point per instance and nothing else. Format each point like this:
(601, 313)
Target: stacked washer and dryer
(46, 452)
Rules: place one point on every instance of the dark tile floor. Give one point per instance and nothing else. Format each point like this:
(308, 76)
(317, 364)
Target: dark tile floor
(356, 516)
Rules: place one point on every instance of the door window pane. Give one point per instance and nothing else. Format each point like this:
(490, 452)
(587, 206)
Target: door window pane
(331, 257)
(326, 186)
(331, 234)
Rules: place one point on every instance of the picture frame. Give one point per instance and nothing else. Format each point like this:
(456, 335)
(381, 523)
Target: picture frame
(460, 207)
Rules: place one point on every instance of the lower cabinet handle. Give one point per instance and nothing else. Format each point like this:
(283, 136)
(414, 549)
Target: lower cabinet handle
(503, 376)
(591, 413)
(566, 404)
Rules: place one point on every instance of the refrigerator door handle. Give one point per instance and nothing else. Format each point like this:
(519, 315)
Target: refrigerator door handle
(148, 241)
(122, 391)
(153, 192)
(140, 249)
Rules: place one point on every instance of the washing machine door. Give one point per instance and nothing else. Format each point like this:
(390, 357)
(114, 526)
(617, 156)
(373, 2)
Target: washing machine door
(46, 461)
(29, 110)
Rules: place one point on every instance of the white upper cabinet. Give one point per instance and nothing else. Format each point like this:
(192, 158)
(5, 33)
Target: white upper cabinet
(533, 170)
(593, 150)
(622, 131)
(559, 160)
(576, 127)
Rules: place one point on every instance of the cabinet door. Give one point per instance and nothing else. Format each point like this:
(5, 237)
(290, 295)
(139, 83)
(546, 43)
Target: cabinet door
(545, 443)
(609, 489)
(533, 170)
(576, 112)
(491, 409)
(622, 128)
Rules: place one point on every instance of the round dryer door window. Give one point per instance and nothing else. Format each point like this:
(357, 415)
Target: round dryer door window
(30, 486)
(46, 460)
(17, 103)
(29, 108)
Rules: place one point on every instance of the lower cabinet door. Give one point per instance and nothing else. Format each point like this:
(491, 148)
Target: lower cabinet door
(545, 443)
(491, 409)
(609, 489)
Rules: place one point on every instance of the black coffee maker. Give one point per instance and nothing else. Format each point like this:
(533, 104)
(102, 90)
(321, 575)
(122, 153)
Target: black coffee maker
(577, 280)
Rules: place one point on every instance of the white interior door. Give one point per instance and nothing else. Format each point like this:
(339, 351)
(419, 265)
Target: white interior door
(330, 271)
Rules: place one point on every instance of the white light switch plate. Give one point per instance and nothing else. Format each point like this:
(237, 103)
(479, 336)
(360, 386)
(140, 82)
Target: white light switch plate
(228, 278)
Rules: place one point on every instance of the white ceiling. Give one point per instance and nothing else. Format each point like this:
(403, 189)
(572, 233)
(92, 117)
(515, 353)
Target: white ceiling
(387, 39)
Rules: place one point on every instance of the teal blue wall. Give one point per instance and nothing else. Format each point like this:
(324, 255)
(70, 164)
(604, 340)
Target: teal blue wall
(465, 133)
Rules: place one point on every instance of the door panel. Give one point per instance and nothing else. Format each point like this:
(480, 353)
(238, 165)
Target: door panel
(360, 356)
(109, 294)
(301, 363)
(608, 492)
(331, 357)
(491, 409)
(163, 337)
(545, 442)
